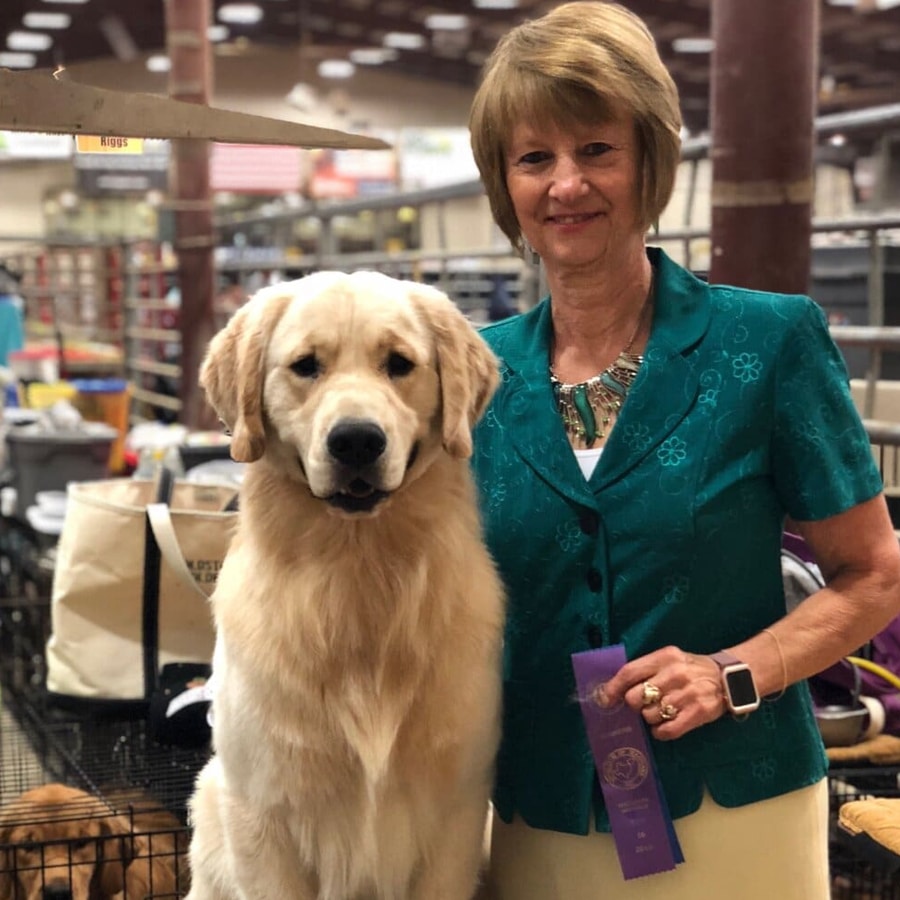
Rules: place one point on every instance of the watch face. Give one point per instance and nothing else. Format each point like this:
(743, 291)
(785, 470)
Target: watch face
(741, 688)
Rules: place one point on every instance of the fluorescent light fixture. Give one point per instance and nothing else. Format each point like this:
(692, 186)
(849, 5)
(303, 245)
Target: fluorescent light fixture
(29, 41)
(495, 4)
(240, 13)
(693, 45)
(158, 63)
(217, 33)
(446, 22)
(335, 68)
(404, 40)
(73, 2)
(51, 20)
(17, 60)
(372, 56)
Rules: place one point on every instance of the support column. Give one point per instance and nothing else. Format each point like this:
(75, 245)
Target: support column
(190, 79)
(763, 103)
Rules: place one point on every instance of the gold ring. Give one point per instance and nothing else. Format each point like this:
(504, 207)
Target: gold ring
(667, 712)
(651, 694)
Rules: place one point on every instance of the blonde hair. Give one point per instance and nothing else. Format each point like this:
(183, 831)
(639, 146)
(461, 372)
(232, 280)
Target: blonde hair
(581, 62)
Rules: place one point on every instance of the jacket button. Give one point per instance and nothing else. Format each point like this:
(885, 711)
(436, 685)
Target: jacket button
(589, 522)
(594, 580)
(595, 636)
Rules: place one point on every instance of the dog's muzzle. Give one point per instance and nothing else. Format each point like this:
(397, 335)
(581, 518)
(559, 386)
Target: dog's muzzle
(357, 445)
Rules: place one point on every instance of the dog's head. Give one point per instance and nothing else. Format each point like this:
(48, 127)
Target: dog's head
(62, 842)
(357, 376)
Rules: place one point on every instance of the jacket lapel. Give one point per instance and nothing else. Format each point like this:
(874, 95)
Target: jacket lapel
(664, 390)
(667, 385)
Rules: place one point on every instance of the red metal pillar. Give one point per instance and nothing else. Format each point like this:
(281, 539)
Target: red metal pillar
(764, 87)
(190, 79)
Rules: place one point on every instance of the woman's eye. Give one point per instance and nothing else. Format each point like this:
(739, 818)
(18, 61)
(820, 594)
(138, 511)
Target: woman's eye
(533, 158)
(306, 367)
(398, 365)
(597, 148)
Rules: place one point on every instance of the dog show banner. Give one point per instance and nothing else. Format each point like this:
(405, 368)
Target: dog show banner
(642, 828)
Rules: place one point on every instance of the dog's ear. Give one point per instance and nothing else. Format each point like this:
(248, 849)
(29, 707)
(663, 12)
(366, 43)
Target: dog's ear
(114, 855)
(232, 373)
(467, 367)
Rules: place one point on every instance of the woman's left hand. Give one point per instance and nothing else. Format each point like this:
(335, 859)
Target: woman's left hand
(673, 690)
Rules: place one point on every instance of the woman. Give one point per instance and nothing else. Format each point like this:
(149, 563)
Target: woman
(650, 437)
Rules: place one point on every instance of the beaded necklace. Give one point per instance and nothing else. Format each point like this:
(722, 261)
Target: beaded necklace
(602, 395)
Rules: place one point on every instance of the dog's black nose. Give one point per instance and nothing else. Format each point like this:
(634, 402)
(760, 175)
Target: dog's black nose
(56, 892)
(356, 443)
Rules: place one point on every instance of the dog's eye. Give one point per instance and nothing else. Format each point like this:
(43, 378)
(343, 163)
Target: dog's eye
(306, 367)
(397, 365)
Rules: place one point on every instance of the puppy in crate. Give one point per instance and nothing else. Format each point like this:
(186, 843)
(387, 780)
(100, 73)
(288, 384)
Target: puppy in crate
(62, 843)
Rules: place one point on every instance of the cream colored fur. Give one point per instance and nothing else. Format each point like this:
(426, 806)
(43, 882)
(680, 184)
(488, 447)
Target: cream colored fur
(357, 685)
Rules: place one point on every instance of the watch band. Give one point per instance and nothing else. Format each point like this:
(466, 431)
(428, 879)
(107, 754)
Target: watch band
(724, 658)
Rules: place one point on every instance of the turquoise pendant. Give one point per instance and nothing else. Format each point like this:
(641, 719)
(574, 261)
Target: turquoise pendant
(585, 413)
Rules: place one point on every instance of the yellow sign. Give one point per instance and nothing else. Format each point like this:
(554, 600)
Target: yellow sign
(86, 143)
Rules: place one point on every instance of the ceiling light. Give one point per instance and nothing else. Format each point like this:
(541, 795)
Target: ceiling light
(29, 41)
(240, 13)
(495, 4)
(66, 1)
(372, 56)
(217, 33)
(158, 63)
(50, 20)
(302, 96)
(837, 140)
(693, 45)
(17, 60)
(446, 22)
(404, 40)
(335, 68)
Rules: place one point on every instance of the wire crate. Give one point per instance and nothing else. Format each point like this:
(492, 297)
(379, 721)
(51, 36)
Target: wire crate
(77, 813)
(856, 874)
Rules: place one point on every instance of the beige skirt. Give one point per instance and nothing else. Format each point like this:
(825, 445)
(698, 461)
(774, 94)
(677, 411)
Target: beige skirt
(776, 848)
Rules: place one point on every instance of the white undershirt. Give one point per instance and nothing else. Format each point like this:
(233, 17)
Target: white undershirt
(588, 460)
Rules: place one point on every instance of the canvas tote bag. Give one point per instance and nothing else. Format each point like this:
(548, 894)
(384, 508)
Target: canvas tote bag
(117, 616)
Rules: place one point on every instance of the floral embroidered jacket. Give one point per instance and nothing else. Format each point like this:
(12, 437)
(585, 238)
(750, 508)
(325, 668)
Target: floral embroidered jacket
(740, 414)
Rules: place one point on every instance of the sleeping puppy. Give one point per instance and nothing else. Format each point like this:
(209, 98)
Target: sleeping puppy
(61, 843)
(358, 614)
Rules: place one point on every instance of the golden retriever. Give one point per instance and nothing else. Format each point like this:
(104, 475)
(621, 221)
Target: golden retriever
(61, 843)
(358, 614)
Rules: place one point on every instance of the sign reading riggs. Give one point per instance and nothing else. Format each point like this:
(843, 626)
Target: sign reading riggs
(106, 172)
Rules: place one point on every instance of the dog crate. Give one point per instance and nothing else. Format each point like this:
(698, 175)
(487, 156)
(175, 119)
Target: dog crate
(127, 826)
(858, 871)
(63, 835)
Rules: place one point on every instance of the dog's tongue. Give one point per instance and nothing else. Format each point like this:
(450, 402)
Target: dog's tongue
(359, 488)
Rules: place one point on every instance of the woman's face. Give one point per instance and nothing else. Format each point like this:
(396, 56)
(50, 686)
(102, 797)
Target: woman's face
(576, 191)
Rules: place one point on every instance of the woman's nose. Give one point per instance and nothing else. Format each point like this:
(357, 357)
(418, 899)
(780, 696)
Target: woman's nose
(568, 180)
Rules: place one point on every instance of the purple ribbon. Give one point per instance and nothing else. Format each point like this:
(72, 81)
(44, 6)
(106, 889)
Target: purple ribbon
(638, 813)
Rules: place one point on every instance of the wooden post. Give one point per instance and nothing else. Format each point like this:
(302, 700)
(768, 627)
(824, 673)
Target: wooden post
(764, 89)
(190, 79)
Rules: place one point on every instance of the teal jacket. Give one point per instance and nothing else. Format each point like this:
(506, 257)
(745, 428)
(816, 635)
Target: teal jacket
(740, 414)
